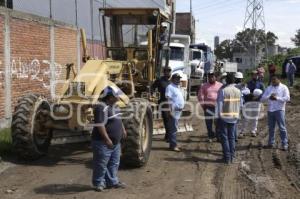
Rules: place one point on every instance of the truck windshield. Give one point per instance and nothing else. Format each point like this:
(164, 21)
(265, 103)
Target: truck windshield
(196, 55)
(177, 54)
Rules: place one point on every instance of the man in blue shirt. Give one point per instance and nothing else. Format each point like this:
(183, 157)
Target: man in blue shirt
(106, 137)
(176, 105)
(161, 85)
(255, 105)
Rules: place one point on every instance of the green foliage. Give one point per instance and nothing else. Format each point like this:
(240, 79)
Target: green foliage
(244, 41)
(224, 50)
(296, 39)
(5, 142)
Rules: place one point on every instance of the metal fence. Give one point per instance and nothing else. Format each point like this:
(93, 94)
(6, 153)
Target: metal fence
(81, 13)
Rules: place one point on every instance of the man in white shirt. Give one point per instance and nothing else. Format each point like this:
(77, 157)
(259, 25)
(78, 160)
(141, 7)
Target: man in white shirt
(176, 105)
(277, 94)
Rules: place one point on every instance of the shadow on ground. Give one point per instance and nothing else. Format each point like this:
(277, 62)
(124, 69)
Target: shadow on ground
(62, 189)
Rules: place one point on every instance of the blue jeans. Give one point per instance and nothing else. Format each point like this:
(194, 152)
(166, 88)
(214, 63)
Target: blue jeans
(173, 127)
(106, 163)
(291, 78)
(209, 113)
(279, 118)
(228, 139)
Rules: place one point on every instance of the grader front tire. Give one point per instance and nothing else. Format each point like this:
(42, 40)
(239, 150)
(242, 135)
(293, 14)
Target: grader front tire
(136, 148)
(30, 138)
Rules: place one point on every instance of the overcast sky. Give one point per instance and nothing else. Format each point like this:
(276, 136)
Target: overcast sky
(226, 17)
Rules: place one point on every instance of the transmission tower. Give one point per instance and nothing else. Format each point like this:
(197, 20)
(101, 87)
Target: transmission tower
(255, 19)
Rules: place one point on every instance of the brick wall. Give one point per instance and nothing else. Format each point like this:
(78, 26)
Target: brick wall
(30, 52)
(65, 51)
(2, 94)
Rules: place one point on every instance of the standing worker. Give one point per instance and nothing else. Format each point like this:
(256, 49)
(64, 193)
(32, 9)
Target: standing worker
(277, 94)
(272, 71)
(161, 84)
(106, 137)
(228, 103)
(176, 105)
(254, 85)
(207, 97)
(290, 70)
(244, 91)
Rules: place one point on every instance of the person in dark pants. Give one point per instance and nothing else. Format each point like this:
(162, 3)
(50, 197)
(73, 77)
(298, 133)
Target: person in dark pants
(161, 85)
(228, 104)
(207, 97)
(290, 71)
(106, 137)
(176, 104)
(272, 71)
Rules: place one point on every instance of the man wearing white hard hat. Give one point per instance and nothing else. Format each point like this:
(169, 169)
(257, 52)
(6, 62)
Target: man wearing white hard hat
(244, 92)
(277, 94)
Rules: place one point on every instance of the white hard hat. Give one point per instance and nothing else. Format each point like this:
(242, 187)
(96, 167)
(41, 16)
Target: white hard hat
(246, 91)
(224, 74)
(257, 92)
(164, 24)
(239, 75)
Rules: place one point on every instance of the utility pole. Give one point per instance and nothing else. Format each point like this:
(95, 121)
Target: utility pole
(191, 21)
(255, 19)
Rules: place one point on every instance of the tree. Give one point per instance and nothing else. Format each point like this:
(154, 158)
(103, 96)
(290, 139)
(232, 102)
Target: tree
(296, 39)
(245, 40)
(224, 50)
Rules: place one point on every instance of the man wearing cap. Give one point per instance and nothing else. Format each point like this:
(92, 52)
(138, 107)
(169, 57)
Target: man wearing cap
(277, 94)
(175, 98)
(252, 102)
(106, 136)
(207, 97)
(228, 106)
(161, 84)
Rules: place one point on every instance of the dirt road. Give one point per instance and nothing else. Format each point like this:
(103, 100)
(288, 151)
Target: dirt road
(194, 173)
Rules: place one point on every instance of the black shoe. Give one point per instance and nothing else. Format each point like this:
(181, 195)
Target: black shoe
(269, 146)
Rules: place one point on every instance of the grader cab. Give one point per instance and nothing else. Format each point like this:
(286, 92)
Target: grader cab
(132, 63)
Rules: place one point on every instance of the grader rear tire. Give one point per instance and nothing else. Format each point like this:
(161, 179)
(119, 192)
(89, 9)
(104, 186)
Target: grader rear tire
(30, 138)
(139, 126)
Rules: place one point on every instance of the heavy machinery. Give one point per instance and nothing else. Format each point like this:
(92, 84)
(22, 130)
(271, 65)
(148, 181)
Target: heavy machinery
(129, 68)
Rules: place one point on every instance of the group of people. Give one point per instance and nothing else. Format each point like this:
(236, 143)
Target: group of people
(229, 108)
(235, 108)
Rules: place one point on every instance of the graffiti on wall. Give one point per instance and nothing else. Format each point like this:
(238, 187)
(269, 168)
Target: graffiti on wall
(32, 70)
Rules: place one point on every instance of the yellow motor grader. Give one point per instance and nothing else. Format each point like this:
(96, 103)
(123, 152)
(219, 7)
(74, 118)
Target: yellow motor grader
(133, 61)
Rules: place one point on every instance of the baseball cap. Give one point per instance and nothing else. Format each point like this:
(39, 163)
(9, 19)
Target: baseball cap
(112, 91)
(176, 75)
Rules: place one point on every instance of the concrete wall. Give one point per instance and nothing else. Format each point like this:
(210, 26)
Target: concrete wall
(33, 53)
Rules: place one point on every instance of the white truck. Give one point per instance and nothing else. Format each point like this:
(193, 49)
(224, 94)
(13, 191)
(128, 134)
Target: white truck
(179, 60)
(229, 67)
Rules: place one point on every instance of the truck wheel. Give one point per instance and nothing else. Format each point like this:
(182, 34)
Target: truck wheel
(139, 126)
(30, 137)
